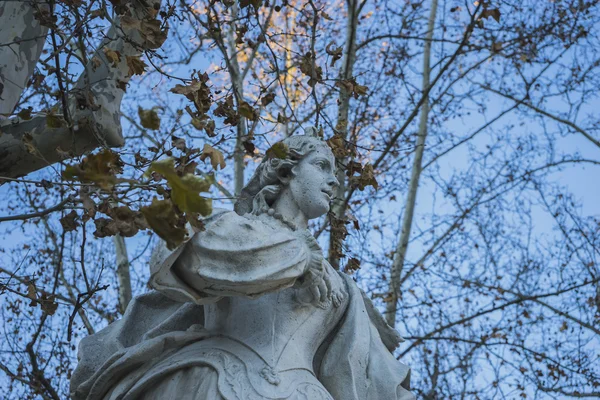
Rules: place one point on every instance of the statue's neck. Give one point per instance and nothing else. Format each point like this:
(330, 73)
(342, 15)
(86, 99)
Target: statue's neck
(289, 210)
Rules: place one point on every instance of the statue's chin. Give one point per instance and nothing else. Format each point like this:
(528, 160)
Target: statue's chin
(317, 211)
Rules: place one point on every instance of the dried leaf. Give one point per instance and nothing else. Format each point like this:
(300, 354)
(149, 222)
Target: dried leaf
(128, 22)
(113, 57)
(163, 220)
(246, 111)
(178, 143)
(69, 222)
(32, 293)
(309, 68)
(121, 85)
(149, 119)
(326, 16)
(267, 99)
(198, 92)
(334, 52)
(99, 168)
(25, 114)
(494, 13)
(216, 157)
(254, 3)
(249, 147)
(185, 190)
(225, 109)
(29, 144)
(278, 150)
(136, 65)
(54, 121)
(152, 33)
(352, 266)
(366, 178)
(337, 146)
(49, 306)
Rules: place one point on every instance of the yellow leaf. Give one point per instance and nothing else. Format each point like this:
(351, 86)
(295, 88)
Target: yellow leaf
(216, 157)
(162, 218)
(114, 57)
(185, 190)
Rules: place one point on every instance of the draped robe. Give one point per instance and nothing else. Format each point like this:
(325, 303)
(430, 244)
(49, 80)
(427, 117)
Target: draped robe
(181, 340)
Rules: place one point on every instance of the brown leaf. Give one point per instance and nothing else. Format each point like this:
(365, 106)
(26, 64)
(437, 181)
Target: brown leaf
(337, 145)
(69, 222)
(278, 150)
(136, 65)
(164, 221)
(198, 92)
(352, 266)
(334, 52)
(225, 109)
(267, 99)
(326, 16)
(178, 143)
(254, 3)
(494, 13)
(29, 144)
(366, 178)
(309, 68)
(216, 157)
(152, 33)
(32, 293)
(246, 111)
(113, 57)
(121, 85)
(25, 114)
(149, 119)
(249, 147)
(105, 227)
(99, 168)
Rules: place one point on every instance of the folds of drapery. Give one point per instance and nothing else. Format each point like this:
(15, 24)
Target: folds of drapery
(354, 363)
(234, 256)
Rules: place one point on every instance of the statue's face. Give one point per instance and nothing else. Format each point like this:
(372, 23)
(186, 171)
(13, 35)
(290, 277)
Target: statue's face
(314, 181)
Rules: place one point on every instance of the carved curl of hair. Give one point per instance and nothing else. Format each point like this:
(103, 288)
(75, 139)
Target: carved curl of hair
(263, 188)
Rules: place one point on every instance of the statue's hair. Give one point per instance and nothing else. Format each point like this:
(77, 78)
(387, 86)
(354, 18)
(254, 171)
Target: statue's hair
(265, 185)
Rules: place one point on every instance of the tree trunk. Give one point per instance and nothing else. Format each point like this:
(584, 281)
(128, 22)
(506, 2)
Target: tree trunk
(93, 110)
(338, 205)
(411, 198)
(123, 274)
(22, 39)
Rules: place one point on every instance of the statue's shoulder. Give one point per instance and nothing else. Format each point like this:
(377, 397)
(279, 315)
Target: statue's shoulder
(228, 226)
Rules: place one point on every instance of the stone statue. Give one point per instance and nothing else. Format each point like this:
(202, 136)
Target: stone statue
(248, 308)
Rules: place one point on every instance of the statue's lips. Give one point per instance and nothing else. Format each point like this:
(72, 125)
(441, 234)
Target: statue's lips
(328, 193)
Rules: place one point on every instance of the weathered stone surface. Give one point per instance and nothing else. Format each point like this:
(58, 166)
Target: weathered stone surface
(249, 308)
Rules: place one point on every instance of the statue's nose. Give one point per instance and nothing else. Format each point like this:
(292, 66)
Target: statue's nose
(333, 182)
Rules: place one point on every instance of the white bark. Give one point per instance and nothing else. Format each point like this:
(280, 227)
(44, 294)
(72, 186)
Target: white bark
(123, 274)
(411, 197)
(346, 72)
(21, 42)
(93, 110)
(237, 81)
